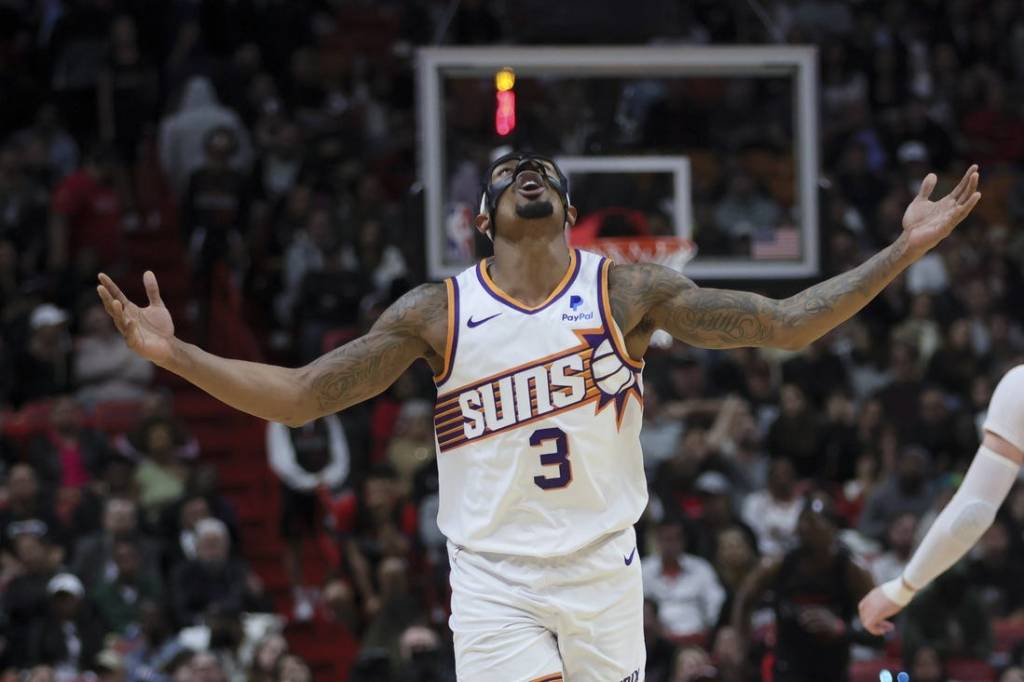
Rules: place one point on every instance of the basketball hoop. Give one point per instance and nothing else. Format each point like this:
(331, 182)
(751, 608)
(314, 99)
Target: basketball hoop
(672, 252)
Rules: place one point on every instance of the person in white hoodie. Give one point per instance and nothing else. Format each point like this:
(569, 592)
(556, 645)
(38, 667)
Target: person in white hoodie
(182, 133)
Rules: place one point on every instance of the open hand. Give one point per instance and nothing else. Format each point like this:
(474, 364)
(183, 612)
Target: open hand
(927, 222)
(875, 610)
(148, 331)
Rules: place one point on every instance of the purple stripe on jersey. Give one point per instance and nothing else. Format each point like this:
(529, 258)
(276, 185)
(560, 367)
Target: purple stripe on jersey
(493, 294)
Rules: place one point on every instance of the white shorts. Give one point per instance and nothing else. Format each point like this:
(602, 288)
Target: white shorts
(578, 617)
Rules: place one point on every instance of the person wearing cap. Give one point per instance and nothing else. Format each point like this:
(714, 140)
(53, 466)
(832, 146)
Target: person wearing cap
(42, 368)
(25, 599)
(685, 587)
(718, 513)
(816, 587)
(70, 636)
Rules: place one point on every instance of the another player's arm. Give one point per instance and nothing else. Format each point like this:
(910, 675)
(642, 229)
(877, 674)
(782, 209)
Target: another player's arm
(969, 514)
(649, 296)
(756, 584)
(347, 375)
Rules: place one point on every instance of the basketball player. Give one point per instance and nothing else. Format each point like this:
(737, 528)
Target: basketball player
(971, 511)
(537, 354)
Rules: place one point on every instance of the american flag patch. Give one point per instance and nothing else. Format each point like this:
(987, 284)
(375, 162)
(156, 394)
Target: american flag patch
(779, 244)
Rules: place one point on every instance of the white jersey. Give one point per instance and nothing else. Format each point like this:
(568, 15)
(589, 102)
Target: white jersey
(538, 417)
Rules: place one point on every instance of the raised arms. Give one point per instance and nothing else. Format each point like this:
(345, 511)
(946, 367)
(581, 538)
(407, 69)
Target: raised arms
(413, 327)
(648, 296)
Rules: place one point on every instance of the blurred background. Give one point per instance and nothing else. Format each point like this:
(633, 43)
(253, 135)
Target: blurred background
(261, 157)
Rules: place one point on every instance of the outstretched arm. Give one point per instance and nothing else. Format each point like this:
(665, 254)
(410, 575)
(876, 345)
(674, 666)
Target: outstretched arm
(971, 511)
(359, 370)
(649, 296)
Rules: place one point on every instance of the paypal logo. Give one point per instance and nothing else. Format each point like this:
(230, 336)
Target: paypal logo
(575, 302)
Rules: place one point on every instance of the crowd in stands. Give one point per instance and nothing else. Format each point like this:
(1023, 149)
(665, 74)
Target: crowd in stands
(275, 140)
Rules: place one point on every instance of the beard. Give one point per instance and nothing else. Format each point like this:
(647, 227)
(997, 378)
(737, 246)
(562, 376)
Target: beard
(535, 209)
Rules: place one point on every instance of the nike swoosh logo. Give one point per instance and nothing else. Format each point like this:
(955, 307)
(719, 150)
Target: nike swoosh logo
(629, 559)
(476, 323)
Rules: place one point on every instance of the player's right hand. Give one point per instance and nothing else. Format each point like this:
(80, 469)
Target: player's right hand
(148, 331)
(875, 610)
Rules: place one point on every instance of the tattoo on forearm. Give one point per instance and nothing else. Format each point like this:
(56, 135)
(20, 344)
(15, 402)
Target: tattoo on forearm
(366, 366)
(646, 296)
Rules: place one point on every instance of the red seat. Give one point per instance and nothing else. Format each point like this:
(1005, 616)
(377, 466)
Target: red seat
(970, 670)
(1007, 634)
(31, 419)
(116, 416)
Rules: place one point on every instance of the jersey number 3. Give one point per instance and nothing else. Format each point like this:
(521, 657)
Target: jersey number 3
(559, 457)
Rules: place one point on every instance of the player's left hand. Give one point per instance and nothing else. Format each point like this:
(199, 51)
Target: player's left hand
(927, 222)
(875, 610)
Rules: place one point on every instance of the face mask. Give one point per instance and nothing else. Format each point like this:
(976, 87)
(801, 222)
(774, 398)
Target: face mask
(493, 189)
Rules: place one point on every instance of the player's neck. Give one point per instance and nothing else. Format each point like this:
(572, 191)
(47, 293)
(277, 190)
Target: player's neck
(529, 270)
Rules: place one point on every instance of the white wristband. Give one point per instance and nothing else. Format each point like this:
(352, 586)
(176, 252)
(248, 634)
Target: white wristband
(898, 592)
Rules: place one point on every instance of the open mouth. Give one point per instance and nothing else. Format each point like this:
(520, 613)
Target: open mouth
(529, 185)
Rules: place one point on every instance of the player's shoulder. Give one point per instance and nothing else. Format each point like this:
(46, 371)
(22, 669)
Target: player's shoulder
(646, 279)
(419, 306)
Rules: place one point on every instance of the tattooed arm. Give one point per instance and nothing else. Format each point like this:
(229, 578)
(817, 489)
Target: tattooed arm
(647, 296)
(415, 326)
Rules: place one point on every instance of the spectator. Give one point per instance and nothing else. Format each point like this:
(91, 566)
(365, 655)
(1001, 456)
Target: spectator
(215, 208)
(797, 435)
(992, 571)
(69, 637)
(899, 545)
(213, 580)
(204, 667)
(85, 222)
(68, 455)
(374, 525)
(954, 365)
(162, 474)
(773, 513)
(422, 659)
(928, 666)
(293, 669)
(305, 459)
(1014, 674)
(660, 651)
(693, 664)
(949, 616)
(398, 606)
(717, 515)
(117, 599)
(28, 508)
(104, 367)
(42, 368)
(150, 660)
(816, 588)
(735, 558)
(661, 433)
(266, 656)
(183, 134)
(94, 560)
(745, 210)
(907, 491)
(685, 587)
(412, 445)
(25, 599)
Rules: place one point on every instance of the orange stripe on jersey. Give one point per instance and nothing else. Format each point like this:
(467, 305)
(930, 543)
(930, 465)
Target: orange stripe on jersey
(554, 677)
(609, 321)
(496, 290)
(453, 331)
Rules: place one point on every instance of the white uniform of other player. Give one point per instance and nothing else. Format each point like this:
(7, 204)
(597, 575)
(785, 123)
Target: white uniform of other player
(541, 479)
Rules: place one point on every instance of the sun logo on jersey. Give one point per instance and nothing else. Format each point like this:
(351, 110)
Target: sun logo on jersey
(593, 371)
